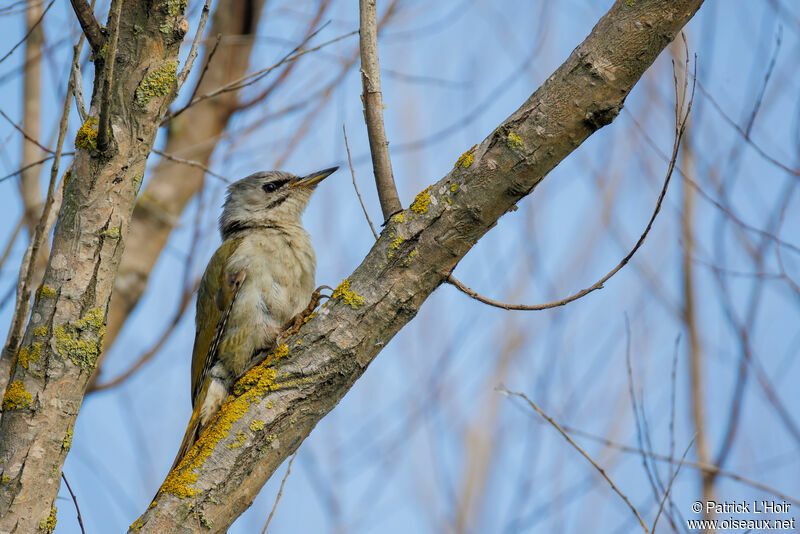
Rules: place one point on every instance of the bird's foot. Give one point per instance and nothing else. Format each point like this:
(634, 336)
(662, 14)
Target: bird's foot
(294, 324)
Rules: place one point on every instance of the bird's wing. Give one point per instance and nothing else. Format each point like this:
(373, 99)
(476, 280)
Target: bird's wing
(215, 297)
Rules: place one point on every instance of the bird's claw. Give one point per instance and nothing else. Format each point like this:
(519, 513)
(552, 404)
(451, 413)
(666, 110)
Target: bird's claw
(294, 324)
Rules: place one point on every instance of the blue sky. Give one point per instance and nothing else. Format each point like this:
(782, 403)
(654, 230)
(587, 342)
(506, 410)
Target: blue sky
(395, 455)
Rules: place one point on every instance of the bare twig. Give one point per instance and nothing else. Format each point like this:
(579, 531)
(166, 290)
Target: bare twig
(25, 134)
(313, 23)
(192, 163)
(254, 77)
(669, 487)
(682, 115)
(104, 122)
(24, 288)
(32, 164)
(205, 67)
(91, 28)
(706, 468)
(280, 492)
(11, 241)
(186, 299)
(580, 450)
(355, 186)
(75, 502)
(373, 110)
(30, 30)
(77, 82)
(187, 67)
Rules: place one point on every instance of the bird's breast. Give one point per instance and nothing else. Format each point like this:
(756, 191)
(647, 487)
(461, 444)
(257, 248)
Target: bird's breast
(280, 269)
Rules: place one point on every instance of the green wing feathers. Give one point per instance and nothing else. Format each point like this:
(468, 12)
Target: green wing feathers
(214, 297)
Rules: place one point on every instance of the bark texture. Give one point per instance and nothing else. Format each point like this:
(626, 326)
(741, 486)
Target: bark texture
(192, 135)
(277, 404)
(64, 335)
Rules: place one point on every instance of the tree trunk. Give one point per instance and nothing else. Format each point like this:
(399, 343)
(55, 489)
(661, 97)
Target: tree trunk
(64, 336)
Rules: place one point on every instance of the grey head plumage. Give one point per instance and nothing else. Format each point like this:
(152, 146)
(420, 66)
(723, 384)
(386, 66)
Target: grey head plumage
(268, 199)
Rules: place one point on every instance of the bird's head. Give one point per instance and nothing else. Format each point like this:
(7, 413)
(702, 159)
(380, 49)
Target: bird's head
(270, 198)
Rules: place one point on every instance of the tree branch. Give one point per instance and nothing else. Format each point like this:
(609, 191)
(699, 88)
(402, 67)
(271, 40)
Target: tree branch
(104, 124)
(373, 110)
(91, 28)
(277, 403)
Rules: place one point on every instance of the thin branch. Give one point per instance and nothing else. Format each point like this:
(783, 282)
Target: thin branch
(254, 77)
(280, 492)
(355, 186)
(186, 299)
(745, 135)
(372, 99)
(680, 128)
(77, 82)
(192, 163)
(11, 241)
(24, 288)
(580, 450)
(187, 67)
(205, 67)
(32, 164)
(706, 468)
(30, 31)
(25, 134)
(75, 501)
(104, 123)
(91, 28)
(671, 482)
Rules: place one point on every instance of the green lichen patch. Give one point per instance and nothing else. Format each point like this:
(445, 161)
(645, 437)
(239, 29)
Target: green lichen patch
(350, 297)
(87, 135)
(422, 201)
(257, 425)
(453, 188)
(174, 8)
(409, 258)
(157, 83)
(137, 525)
(395, 245)
(48, 524)
(67, 443)
(514, 141)
(46, 292)
(112, 233)
(238, 441)
(16, 396)
(400, 217)
(41, 331)
(467, 158)
(83, 341)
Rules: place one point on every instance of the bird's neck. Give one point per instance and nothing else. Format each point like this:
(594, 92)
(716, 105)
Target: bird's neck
(236, 229)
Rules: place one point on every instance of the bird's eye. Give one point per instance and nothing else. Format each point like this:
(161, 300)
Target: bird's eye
(269, 187)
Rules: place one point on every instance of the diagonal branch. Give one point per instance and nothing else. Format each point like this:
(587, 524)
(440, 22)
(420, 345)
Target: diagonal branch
(91, 28)
(373, 110)
(682, 118)
(277, 403)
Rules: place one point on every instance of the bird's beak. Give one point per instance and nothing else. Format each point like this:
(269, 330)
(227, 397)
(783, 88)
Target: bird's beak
(313, 178)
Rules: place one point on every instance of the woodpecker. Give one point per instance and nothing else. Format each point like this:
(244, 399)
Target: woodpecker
(259, 280)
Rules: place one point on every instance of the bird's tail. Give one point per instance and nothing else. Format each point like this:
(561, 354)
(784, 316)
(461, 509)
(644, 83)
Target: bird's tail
(192, 433)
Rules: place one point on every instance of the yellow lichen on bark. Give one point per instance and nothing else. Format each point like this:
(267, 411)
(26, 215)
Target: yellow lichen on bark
(350, 297)
(421, 202)
(255, 383)
(48, 524)
(16, 396)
